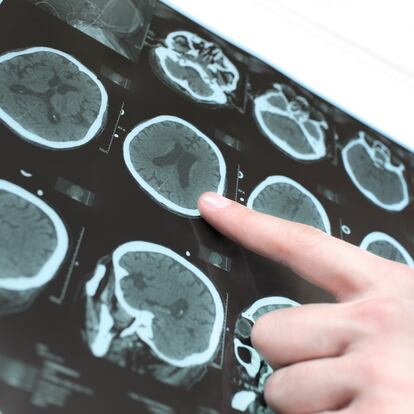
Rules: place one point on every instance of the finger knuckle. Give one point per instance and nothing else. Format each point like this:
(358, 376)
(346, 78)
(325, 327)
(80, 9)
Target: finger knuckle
(370, 369)
(383, 313)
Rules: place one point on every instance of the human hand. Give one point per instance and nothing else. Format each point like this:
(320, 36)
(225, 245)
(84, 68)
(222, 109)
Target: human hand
(351, 357)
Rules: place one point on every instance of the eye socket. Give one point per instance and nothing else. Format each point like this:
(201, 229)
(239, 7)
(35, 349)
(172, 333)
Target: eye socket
(181, 44)
(244, 354)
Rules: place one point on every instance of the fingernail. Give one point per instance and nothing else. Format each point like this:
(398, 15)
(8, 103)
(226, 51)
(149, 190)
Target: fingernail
(214, 200)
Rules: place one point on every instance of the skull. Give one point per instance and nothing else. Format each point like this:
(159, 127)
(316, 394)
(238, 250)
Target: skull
(283, 197)
(386, 246)
(70, 101)
(251, 371)
(174, 163)
(146, 305)
(33, 245)
(195, 67)
(289, 123)
(372, 172)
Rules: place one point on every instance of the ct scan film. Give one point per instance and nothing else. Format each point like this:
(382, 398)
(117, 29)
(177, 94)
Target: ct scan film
(115, 296)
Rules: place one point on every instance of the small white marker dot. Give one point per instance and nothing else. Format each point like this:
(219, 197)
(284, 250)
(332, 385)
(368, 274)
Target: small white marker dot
(242, 199)
(187, 253)
(40, 193)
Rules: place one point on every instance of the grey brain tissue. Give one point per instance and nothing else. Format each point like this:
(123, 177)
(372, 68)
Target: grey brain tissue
(148, 295)
(285, 198)
(370, 168)
(33, 245)
(174, 163)
(286, 120)
(195, 67)
(385, 246)
(50, 99)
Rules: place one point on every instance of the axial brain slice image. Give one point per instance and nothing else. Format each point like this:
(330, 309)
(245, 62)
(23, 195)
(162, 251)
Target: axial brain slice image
(376, 177)
(288, 123)
(50, 99)
(385, 246)
(196, 67)
(283, 197)
(174, 163)
(33, 245)
(153, 295)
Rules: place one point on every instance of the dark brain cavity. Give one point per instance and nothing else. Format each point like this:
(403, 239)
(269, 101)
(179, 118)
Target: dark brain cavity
(176, 162)
(48, 96)
(183, 307)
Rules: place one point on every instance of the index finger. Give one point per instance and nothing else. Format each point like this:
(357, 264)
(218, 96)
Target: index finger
(334, 265)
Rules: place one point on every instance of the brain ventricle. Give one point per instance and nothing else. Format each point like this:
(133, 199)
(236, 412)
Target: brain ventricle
(153, 295)
(183, 308)
(69, 101)
(174, 162)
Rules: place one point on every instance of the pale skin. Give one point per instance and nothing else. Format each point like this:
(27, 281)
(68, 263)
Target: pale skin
(355, 356)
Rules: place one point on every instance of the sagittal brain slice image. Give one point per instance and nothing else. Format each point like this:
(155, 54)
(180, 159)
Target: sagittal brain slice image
(148, 304)
(285, 198)
(50, 99)
(288, 123)
(33, 245)
(196, 67)
(372, 172)
(174, 163)
(251, 371)
(385, 246)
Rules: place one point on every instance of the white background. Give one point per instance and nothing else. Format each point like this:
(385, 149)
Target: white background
(357, 54)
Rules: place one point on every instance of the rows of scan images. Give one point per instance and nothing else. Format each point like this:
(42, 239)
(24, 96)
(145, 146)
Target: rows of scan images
(173, 162)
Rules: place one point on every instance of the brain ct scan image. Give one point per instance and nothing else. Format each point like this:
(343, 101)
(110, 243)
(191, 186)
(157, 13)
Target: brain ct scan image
(196, 67)
(33, 245)
(290, 122)
(174, 163)
(251, 371)
(387, 247)
(285, 198)
(370, 168)
(146, 300)
(50, 99)
(118, 25)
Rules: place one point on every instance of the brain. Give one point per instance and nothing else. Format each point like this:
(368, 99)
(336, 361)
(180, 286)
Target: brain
(266, 305)
(174, 308)
(372, 172)
(287, 122)
(50, 99)
(174, 162)
(195, 67)
(284, 198)
(387, 247)
(33, 245)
